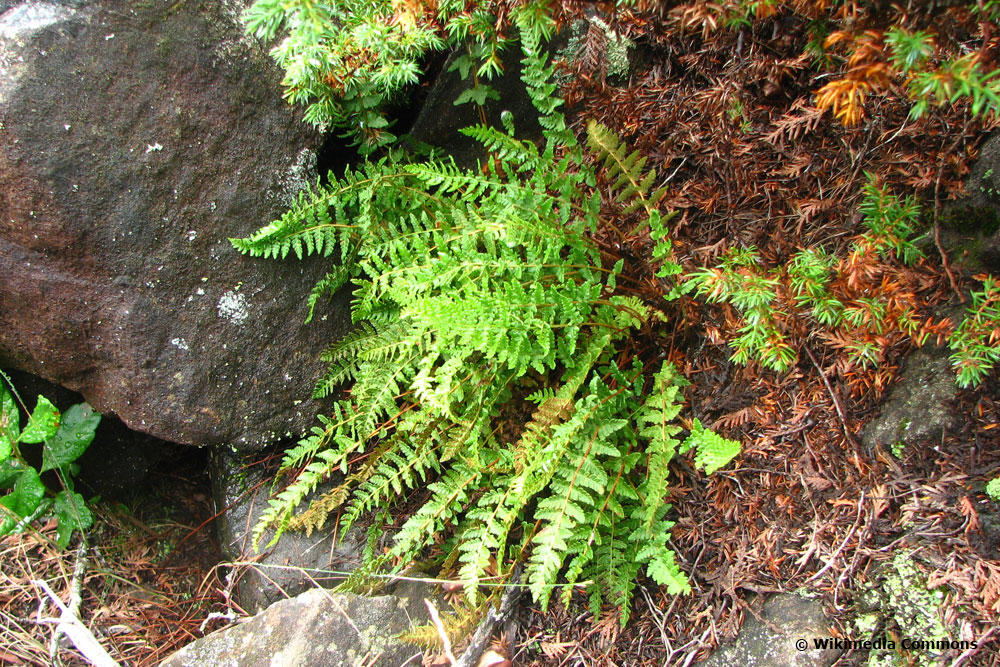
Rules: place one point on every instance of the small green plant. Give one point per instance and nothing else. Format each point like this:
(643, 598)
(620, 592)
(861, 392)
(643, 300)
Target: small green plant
(479, 299)
(975, 343)
(993, 489)
(740, 281)
(63, 438)
(344, 59)
(931, 77)
(815, 286)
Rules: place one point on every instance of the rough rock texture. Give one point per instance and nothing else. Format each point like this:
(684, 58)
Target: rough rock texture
(971, 225)
(918, 407)
(135, 138)
(315, 629)
(241, 496)
(771, 640)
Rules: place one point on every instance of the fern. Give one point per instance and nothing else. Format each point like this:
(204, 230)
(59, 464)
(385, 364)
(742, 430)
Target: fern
(469, 286)
(634, 186)
(712, 451)
(657, 425)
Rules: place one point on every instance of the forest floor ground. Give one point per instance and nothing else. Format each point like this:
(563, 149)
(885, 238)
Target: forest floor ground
(727, 118)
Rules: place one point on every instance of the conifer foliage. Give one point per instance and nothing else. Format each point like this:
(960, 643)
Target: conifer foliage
(477, 294)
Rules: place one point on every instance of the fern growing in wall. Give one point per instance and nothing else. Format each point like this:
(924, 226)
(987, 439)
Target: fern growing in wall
(471, 288)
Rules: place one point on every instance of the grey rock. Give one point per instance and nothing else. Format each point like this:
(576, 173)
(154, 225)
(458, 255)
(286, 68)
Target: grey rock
(771, 640)
(315, 629)
(918, 408)
(296, 563)
(137, 137)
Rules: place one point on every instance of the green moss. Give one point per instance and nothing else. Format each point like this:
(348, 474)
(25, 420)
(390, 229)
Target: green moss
(993, 489)
(981, 220)
(897, 448)
(904, 603)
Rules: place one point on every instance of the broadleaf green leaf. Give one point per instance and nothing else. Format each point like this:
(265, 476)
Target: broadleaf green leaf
(10, 470)
(10, 425)
(75, 434)
(23, 500)
(70, 510)
(44, 422)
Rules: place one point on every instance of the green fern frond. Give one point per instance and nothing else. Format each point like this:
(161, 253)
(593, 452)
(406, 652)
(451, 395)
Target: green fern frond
(656, 419)
(540, 396)
(578, 483)
(632, 184)
(450, 493)
(398, 470)
(306, 229)
(339, 371)
(522, 155)
(278, 513)
(328, 285)
(488, 526)
(712, 451)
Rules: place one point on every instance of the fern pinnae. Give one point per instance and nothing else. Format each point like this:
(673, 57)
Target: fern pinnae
(376, 391)
(337, 373)
(328, 285)
(626, 168)
(505, 148)
(398, 469)
(486, 535)
(315, 515)
(319, 438)
(656, 420)
(578, 479)
(712, 451)
(449, 492)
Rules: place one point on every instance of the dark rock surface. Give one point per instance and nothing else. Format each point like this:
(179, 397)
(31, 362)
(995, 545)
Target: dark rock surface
(970, 228)
(296, 563)
(770, 641)
(919, 407)
(315, 629)
(136, 138)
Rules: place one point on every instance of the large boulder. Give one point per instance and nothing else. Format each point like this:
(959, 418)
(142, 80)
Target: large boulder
(135, 139)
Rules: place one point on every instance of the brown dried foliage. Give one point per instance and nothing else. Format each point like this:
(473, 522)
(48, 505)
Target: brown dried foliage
(149, 584)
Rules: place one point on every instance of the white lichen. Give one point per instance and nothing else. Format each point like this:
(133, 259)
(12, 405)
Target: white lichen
(233, 307)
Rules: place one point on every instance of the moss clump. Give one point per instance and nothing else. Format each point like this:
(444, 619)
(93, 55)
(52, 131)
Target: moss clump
(993, 489)
(908, 610)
